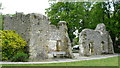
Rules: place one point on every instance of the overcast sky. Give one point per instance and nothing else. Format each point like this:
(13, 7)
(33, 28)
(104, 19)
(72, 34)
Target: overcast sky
(26, 6)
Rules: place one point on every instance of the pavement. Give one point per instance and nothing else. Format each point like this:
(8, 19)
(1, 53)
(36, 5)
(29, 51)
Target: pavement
(62, 60)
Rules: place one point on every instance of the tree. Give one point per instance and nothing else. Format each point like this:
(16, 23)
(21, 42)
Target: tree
(1, 6)
(71, 12)
(81, 15)
(115, 26)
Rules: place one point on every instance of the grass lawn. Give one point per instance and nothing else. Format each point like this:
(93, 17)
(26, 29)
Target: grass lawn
(113, 61)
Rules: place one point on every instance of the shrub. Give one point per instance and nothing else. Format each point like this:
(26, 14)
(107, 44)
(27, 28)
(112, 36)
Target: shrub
(20, 57)
(11, 43)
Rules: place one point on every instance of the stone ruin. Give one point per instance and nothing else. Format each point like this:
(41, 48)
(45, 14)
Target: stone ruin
(42, 37)
(95, 42)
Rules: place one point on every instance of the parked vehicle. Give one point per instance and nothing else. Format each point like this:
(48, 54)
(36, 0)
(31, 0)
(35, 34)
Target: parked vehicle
(75, 49)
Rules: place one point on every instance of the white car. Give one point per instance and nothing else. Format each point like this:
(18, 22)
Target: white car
(76, 47)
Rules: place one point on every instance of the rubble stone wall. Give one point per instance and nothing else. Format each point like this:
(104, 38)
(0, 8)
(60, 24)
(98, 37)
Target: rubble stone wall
(40, 35)
(95, 42)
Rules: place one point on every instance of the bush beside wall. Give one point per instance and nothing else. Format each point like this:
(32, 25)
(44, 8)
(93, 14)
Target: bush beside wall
(11, 44)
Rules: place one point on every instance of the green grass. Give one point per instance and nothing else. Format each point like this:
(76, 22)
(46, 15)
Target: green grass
(113, 61)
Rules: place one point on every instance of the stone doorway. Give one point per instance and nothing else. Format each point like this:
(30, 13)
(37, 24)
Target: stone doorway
(56, 49)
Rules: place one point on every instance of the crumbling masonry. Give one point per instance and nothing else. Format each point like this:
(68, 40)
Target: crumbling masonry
(44, 38)
(95, 42)
(39, 34)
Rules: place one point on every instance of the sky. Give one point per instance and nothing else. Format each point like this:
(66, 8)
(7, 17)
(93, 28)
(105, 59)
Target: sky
(26, 6)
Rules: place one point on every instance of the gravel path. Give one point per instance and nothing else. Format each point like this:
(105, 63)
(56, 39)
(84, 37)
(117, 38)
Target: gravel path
(60, 60)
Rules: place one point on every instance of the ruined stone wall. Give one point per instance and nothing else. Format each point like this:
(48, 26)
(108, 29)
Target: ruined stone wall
(106, 39)
(40, 35)
(90, 42)
(95, 42)
(20, 22)
(59, 36)
(32, 28)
